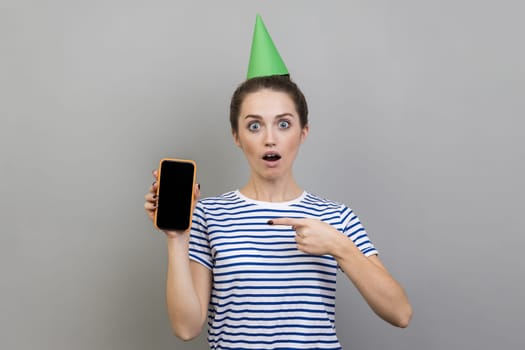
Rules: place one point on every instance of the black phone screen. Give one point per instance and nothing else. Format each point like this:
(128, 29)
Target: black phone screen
(175, 195)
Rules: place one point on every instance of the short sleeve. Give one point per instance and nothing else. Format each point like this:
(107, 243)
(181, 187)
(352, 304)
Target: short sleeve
(199, 249)
(356, 232)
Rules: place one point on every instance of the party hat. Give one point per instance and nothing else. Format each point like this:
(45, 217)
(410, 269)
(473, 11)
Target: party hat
(264, 57)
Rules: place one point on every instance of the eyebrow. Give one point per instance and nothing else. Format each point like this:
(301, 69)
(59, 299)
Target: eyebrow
(256, 116)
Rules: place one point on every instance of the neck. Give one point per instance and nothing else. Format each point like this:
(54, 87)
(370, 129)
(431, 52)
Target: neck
(272, 190)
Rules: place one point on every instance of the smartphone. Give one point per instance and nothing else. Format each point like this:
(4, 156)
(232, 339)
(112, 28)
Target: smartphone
(176, 181)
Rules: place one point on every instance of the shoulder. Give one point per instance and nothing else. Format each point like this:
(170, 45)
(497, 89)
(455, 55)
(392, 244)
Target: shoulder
(227, 197)
(320, 203)
(229, 200)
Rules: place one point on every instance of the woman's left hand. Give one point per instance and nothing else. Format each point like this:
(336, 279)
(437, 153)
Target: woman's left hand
(312, 236)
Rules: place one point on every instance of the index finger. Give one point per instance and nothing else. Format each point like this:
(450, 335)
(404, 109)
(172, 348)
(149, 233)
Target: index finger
(287, 222)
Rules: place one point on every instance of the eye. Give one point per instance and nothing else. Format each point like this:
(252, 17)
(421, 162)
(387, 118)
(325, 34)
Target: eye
(254, 126)
(284, 124)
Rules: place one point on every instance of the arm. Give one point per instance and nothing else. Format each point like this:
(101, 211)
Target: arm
(188, 288)
(188, 284)
(385, 296)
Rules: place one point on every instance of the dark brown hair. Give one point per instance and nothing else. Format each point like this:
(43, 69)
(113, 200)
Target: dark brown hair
(281, 83)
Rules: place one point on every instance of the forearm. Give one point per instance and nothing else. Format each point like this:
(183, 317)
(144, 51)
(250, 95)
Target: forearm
(385, 296)
(184, 307)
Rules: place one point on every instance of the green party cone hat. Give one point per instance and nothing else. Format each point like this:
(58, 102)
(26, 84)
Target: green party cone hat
(264, 57)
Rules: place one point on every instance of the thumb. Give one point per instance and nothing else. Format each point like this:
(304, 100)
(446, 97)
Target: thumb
(196, 194)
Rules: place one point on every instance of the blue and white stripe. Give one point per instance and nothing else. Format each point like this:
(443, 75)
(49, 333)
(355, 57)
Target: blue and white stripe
(266, 293)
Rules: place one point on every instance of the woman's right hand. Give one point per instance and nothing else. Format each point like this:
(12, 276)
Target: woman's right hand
(150, 205)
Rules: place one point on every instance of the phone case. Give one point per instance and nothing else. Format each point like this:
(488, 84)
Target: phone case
(159, 175)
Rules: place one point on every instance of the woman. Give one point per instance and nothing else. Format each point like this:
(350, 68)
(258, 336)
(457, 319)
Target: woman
(263, 259)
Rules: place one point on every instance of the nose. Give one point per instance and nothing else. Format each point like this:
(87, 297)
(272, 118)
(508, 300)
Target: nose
(269, 140)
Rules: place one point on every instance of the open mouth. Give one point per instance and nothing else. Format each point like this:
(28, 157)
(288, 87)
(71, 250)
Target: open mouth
(271, 157)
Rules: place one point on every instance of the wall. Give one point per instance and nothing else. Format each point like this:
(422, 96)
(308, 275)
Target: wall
(416, 122)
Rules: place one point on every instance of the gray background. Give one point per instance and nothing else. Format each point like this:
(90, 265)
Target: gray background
(416, 122)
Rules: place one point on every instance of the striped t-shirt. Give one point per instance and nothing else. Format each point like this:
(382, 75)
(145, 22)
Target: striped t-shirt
(266, 293)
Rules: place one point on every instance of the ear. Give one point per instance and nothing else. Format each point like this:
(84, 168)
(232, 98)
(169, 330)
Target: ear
(304, 132)
(235, 136)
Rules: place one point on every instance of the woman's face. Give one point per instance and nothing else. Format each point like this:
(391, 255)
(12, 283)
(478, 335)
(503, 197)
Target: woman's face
(269, 133)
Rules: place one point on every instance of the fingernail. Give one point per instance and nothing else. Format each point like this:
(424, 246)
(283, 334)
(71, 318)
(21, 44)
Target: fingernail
(154, 196)
(154, 182)
(270, 222)
(199, 186)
